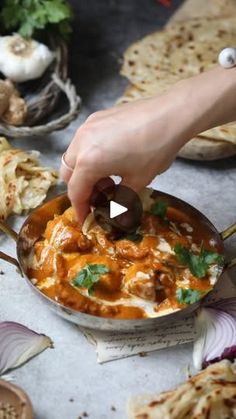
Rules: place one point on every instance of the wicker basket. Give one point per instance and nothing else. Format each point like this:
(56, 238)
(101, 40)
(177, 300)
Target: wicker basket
(42, 97)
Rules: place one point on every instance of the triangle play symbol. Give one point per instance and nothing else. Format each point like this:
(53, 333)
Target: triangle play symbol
(116, 209)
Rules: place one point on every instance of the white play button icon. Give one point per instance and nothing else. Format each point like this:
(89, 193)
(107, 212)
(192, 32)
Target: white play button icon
(116, 209)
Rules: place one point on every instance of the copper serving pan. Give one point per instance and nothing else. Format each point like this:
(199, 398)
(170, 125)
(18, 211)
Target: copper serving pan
(34, 227)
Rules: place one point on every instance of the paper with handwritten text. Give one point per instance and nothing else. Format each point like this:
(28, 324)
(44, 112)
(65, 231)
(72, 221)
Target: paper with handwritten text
(116, 345)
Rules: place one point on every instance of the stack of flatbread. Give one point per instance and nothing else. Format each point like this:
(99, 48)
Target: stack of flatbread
(183, 49)
(23, 182)
(211, 394)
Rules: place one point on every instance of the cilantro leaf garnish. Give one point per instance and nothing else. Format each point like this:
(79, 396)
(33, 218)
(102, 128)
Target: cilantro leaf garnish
(159, 208)
(89, 275)
(187, 295)
(212, 257)
(197, 264)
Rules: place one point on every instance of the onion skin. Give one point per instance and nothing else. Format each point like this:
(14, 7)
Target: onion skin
(18, 344)
(216, 333)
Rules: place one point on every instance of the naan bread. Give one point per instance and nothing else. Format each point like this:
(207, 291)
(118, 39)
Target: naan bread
(202, 8)
(23, 183)
(183, 50)
(211, 394)
(201, 148)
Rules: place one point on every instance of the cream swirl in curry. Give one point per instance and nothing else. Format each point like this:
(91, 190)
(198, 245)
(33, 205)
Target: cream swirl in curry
(165, 265)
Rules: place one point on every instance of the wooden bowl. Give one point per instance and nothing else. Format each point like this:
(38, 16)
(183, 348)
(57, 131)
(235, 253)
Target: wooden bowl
(16, 399)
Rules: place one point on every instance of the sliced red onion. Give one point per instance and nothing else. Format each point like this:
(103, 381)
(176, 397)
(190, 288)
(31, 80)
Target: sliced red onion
(18, 344)
(216, 333)
(226, 304)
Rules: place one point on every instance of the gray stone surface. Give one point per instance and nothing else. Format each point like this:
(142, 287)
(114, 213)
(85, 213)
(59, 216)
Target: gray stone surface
(102, 30)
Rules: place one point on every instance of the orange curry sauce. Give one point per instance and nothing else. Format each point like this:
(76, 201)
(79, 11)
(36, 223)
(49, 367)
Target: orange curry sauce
(143, 276)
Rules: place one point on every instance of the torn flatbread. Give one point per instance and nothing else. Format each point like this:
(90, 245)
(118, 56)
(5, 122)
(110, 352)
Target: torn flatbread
(211, 394)
(23, 182)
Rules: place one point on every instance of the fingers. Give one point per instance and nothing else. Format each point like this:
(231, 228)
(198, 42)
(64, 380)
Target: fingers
(65, 170)
(80, 188)
(65, 174)
(68, 162)
(83, 192)
(82, 167)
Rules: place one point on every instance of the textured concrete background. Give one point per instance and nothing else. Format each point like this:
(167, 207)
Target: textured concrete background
(103, 29)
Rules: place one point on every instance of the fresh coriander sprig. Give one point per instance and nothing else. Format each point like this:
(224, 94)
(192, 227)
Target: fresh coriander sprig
(198, 264)
(187, 295)
(28, 16)
(89, 275)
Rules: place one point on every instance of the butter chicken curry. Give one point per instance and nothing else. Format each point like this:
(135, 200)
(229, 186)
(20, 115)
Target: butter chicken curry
(167, 264)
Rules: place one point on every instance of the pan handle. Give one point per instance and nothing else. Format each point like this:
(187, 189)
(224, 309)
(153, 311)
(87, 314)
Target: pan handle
(225, 235)
(11, 233)
(228, 232)
(230, 264)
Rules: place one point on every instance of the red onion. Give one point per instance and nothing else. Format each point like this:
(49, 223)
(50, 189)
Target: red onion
(226, 304)
(18, 344)
(216, 333)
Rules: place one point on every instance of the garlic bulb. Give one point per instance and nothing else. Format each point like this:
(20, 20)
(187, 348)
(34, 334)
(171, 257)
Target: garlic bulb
(22, 59)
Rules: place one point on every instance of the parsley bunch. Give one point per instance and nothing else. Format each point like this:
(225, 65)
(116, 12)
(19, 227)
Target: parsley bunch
(89, 275)
(198, 264)
(27, 16)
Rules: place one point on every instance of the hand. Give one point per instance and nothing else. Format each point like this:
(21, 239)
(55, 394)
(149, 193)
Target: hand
(139, 140)
(134, 141)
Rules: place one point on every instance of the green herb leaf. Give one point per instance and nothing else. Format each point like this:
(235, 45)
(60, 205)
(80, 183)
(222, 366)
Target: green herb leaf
(198, 264)
(28, 16)
(159, 208)
(89, 275)
(212, 257)
(98, 269)
(187, 295)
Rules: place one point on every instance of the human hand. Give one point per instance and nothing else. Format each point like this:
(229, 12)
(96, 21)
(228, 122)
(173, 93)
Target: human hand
(139, 140)
(134, 141)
